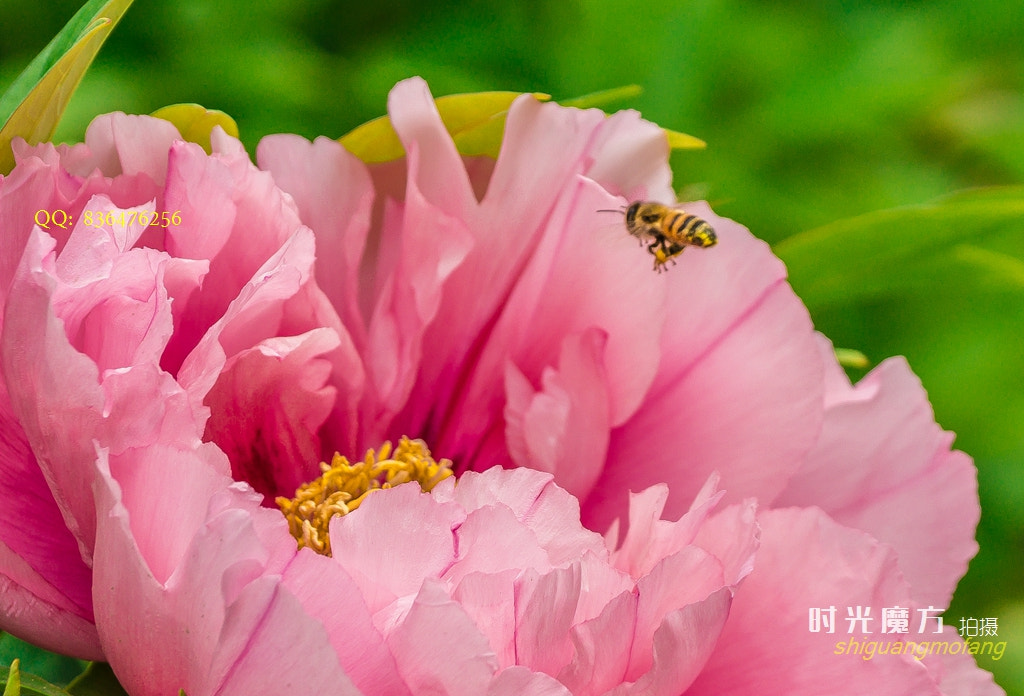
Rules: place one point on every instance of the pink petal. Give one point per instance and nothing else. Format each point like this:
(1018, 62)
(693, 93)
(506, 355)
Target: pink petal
(47, 594)
(40, 612)
(415, 262)
(551, 513)
(686, 578)
(283, 647)
(726, 368)
(334, 195)
(563, 427)
(626, 307)
(477, 552)
(649, 538)
(601, 648)
(682, 645)
(545, 608)
(480, 287)
(435, 622)
(387, 552)
(235, 216)
(631, 158)
(516, 681)
(119, 144)
(46, 377)
(489, 599)
(267, 406)
(329, 595)
(805, 561)
(883, 465)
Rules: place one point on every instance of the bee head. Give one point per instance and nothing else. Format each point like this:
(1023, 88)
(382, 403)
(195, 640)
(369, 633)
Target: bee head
(631, 213)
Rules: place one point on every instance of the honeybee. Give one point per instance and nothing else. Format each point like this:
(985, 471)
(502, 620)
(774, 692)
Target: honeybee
(669, 230)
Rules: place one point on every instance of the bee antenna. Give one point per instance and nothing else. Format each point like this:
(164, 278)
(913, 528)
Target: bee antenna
(609, 211)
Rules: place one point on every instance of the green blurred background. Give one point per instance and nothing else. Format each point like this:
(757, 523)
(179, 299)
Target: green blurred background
(812, 111)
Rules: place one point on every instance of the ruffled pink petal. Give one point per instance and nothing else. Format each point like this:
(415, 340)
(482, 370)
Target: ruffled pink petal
(281, 647)
(46, 377)
(649, 538)
(419, 249)
(387, 553)
(33, 185)
(602, 648)
(329, 594)
(687, 577)
(682, 646)
(40, 612)
(477, 552)
(516, 681)
(630, 158)
(490, 599)
(441, 650)
(505, 233)
(732, 536)
(563, 427)
(267, 407)
(47, 595)
(808, 561)
(551, 513)
(545, 608)
(59, 395)
(217, 613)
(883, 465)
(210, 194)
(727, 365)
(626, 307)
(334, 194)
(120, 144)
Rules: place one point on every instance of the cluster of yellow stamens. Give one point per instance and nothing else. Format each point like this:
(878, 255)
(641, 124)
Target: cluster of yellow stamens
(343, 486)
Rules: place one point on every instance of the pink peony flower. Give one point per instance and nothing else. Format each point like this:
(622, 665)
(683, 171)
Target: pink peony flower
(154, 374)
(488, 587)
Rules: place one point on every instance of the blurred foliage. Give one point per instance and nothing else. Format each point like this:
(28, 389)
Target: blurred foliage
(812, 112)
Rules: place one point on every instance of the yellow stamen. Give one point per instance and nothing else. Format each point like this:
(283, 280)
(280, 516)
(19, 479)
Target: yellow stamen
(342, 487)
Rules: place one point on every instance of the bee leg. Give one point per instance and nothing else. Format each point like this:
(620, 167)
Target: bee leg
(660, 259)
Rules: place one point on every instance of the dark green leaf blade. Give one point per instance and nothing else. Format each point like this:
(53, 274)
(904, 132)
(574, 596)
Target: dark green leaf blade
(909, 248)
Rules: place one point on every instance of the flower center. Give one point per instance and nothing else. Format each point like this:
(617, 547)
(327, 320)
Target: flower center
(343, 486)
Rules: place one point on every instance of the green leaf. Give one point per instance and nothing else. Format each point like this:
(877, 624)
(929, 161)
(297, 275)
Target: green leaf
(195, 123)
(34, 103)
(475, 121)
(17, 683)
(676, 140)
(12, 686)
(849, 357)
(97, 680)
(911, 248)
(682, 141)
(604, 97)
(59, 669)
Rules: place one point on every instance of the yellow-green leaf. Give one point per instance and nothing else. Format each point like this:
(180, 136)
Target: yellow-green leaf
(13, 685)
(849, 357)
(604, 97)
(475, 121)
(18, 684)
(35, 102)
(682, 141)
(195, 123)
